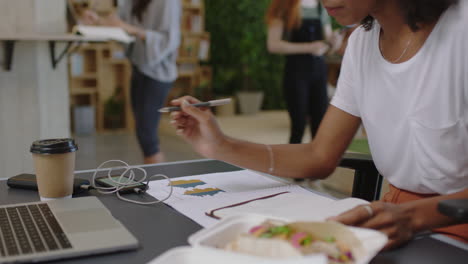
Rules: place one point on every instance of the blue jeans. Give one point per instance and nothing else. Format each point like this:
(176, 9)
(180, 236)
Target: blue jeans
(147, 95)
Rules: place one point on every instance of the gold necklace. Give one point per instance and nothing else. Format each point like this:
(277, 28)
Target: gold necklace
(402, 54)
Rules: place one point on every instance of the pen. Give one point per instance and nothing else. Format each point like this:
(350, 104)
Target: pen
(201, 104)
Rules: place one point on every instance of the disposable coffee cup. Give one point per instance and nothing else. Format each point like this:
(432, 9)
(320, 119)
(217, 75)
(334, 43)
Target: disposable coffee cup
(54, 163)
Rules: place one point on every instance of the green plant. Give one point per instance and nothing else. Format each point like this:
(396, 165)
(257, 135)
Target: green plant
(359, 145)
(201, 91)
(114, 105)
(239, 56)
(335, 25)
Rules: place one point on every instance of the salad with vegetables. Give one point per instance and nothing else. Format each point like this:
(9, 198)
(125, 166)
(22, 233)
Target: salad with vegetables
(298, 239)
(306, 242)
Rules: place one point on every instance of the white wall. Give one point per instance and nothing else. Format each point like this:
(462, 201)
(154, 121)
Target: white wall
(34, 101)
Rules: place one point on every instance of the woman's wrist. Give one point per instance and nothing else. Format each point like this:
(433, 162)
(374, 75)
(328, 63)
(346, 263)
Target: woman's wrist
(425, 215)
(416, 220)
(141, 33)
(329, 44)
(223, 147)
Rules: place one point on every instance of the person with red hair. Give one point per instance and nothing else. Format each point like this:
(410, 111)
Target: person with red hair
(298, 29)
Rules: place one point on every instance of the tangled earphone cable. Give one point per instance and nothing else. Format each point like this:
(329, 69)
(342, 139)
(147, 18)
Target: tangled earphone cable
(126, 178)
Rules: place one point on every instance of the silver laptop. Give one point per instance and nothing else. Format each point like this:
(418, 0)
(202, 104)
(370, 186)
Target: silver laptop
(56, 229)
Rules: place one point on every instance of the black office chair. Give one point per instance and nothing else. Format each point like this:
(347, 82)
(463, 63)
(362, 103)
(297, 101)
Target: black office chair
(367, 180)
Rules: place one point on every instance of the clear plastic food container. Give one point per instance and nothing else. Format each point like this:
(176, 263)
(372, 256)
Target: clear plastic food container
(207, 245)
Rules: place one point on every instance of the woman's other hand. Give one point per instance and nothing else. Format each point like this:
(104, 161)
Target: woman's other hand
(89, 17)
(112, 20)
(318, 48)
(197, 126)
(391, 219)
(336, 40)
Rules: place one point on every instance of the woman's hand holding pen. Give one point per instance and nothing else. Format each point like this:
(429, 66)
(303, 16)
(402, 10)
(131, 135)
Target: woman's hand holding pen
(197, 126)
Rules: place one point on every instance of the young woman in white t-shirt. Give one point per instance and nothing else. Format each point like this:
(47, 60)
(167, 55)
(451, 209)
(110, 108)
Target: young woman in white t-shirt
(405, 77)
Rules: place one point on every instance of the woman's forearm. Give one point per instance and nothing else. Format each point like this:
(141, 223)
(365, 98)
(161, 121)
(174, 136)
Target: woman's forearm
(288, 160)
(114, 20)
(426, 215)
(284, 47)
(316, 159)
(277, 45)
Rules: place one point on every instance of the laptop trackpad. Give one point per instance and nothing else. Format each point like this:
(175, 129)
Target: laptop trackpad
(87, 220)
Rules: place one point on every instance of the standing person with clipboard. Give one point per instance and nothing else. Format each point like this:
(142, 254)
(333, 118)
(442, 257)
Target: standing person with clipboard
(156, 27)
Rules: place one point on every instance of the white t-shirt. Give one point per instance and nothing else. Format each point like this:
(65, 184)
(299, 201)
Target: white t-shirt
(416, 112)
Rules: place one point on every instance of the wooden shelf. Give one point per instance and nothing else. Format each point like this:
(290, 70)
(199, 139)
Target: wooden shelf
(187, 74)
(193, 7)
(88, 75)
(193, 34)
(103, 78)
(187, 59)
(82, 91)
(118, 61)
(194, 48)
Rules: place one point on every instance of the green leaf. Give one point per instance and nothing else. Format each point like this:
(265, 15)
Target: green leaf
(238, 41)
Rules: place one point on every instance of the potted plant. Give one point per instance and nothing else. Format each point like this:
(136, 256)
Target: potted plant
(242, 65)
(250, 95)
(250, 100)
(113, 110)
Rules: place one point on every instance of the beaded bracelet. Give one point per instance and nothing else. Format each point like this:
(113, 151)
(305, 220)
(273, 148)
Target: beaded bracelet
(272, 159)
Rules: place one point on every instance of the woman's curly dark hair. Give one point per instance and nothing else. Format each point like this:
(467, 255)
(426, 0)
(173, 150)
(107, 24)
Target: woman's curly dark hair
(417, 12)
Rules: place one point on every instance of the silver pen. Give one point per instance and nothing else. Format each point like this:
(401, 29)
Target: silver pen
(201, 104)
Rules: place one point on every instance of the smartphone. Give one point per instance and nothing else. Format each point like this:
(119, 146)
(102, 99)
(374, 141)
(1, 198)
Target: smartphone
(131, 188)
(28, 181)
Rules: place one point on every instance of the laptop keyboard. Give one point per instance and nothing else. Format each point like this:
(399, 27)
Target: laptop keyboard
(30, 229)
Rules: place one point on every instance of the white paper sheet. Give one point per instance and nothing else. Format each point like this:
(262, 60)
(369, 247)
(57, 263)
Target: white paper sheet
(294, 206)
(194, 196)
(202, 193)
(111, 33)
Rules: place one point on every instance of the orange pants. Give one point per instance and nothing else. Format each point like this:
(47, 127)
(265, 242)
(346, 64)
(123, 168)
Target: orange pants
(398, 196)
